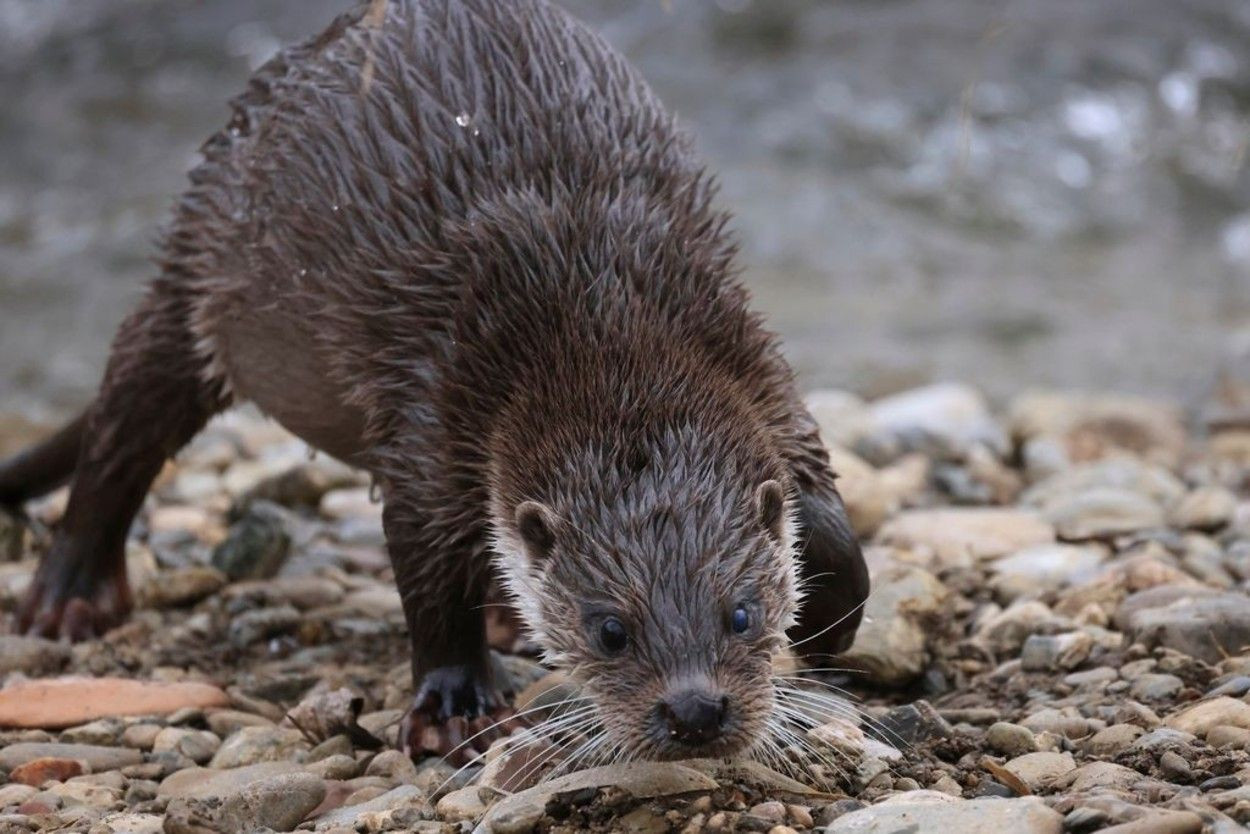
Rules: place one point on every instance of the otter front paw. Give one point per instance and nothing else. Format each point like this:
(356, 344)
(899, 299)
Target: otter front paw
(455, 714)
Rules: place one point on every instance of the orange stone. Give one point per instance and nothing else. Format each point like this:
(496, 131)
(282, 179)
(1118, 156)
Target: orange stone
(54, 703)
(37, 771)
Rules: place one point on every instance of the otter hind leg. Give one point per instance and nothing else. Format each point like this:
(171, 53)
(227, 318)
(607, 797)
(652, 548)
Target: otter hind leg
(153, 400)
(833, 573)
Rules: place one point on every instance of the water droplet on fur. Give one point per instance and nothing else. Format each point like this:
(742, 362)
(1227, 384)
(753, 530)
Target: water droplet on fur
(335, 207)
(311, 453)
(375, 491)
(463, 119)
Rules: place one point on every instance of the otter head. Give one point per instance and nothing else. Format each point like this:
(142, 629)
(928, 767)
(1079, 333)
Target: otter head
(666, 603)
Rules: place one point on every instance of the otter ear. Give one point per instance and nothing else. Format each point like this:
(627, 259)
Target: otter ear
(770, 504)
(536, 524)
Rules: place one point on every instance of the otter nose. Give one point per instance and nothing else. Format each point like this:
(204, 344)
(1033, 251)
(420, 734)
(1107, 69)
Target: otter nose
(694, 717)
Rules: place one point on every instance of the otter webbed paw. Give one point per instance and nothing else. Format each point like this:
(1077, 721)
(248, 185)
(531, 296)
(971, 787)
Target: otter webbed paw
(74, 598)
(455, 714)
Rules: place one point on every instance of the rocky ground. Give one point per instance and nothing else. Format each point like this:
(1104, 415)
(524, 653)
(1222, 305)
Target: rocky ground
(1058, 640)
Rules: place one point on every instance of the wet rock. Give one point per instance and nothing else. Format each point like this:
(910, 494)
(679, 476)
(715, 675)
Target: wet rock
(181, 587)
(277, 802)
(37, 771)
(961, 536)
(977, 816)
(1038, 770)
(64, 702)
(1010, 739)
(251, 745)
(892, 644)
(31, 655)
(1206, 508)
(96, 758)
(257, 543)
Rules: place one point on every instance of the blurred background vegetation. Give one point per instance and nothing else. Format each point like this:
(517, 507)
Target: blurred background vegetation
(1008, 192)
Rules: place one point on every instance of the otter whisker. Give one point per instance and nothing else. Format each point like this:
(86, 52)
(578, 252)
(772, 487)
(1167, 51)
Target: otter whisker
(521, 714)
(531, 736)
(842, 707)
(837, 708)
(836, 622)
(585, 727)
(806, 745)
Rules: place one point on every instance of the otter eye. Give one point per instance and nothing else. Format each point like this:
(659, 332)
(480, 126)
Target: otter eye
(613, 636)
(740, 620)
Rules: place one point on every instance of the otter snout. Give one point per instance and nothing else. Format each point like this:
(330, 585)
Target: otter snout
(694, 717)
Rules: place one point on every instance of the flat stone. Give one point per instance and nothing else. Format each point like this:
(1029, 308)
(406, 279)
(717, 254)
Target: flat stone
(53, 703)
(38, 771)
(127, 823)
(1048, 652)
(977, 816)
(1205, 715)
(1154, 483)
(1210, 631)
(1094, 425)
(1159, 822)
(1103, 513)
(197, 745)
(1044, 567)
(943, 419)
(278, 802)
(967, 534)
(257, 543)
(643, 780)
(404, 797)
(31, 655)
(204, 782)
(1156, 687)
(96, 758)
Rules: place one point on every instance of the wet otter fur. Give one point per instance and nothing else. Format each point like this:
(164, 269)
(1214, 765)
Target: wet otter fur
(461, 244)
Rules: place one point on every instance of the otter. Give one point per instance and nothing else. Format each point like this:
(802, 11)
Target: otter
(461, 244)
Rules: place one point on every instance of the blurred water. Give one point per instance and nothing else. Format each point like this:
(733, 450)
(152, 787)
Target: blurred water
(1014, 193)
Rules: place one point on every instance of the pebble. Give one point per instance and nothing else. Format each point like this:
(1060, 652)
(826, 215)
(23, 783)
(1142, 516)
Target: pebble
(65, 702)
(251, 745)
(1047, 652)
(1205, 715)
(1113, 739)
(197, 745)
(257, 544)
(181, 587)
(892, 644)
(966, 535)
(1010, 739)
(1156, 687)
(96, 758)
(1038, 770)
(975, 816)
(37, 771)
(1207, 509)
(1103, 513)
(31, 655)
(1209, 631)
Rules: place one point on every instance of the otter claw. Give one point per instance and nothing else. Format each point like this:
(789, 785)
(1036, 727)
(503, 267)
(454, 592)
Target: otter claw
(454, 715)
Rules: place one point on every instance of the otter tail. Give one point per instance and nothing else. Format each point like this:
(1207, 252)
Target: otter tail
(45, 467)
